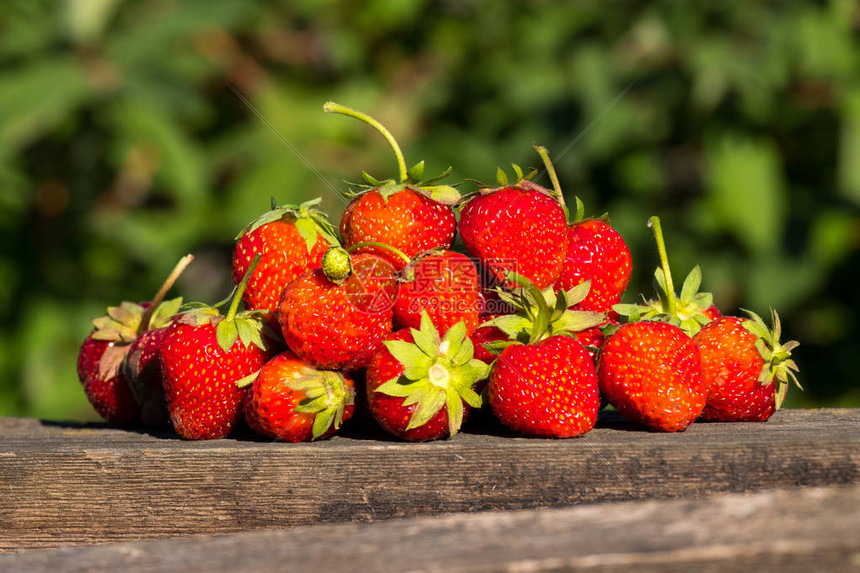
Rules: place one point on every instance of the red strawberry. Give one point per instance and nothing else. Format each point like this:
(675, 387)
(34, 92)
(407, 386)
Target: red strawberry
(544, 381)
(651, 372)
(443, 283)
(547, 389)
(101, 356)
(203, 356)
(689, 311)
(406, 219)
(596, 252)
(292, 402)
(746, 368)
(419, 387)
(409, 215)
(291, 240)
(516, 228)
(103, 382)
(335, 317)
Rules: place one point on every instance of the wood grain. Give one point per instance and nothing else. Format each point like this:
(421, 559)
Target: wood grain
(811, 529)
(64, 484)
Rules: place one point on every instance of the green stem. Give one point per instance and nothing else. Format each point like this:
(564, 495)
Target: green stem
(162, 291)
(654, 223)
(556, 186)
(240, 290)
(394, 250)
(332, 107)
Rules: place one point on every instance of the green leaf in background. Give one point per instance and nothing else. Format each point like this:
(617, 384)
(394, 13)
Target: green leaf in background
(86, 20)
(31, 101)
(849, 147)
(746, 191)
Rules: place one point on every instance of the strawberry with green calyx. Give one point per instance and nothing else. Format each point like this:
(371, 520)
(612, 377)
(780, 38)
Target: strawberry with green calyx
(420, 384)
(651, 372)
(689, 311)
(203, 355)
(413, 214)
(595, 252)
(515, 227)
(291, 240)
(102, 353)
(544, 381)
(336, 316)
(442, 283)
(746, 368)
(291, 401)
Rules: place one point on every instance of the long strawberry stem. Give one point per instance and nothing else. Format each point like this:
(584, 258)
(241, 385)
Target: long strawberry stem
(332, 107)
(240, 288)
(162, 292)
(394, 250)
(550, 169)
(672, 302)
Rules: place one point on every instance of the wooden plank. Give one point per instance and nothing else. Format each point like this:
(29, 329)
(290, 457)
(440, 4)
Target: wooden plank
(813, 529)
(71, 484)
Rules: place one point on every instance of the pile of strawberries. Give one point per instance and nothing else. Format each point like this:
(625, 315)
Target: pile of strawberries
(382, 315)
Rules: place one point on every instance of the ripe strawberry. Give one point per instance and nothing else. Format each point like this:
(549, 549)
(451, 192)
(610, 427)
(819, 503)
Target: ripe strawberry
(105, 382)
(746, 368)
(596, 252)
(203, 355)
(443, 283)
(291, 239)
(292, 402)
(544, 382)
(419, 386)
(651, 372)
(405, 219)
(335, 317)
(412, 215)
(516, 228)
(689, 311)
(547, 389)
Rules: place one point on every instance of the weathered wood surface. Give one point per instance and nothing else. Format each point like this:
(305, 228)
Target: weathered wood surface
(67, 484)
(812, 529)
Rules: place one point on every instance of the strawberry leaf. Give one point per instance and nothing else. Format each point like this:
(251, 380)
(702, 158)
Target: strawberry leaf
(247, 380)
(323, 422)
(226, 334)
(416, 172)
(428, 403)
(307, 229)
(397, 387)
(501, 177)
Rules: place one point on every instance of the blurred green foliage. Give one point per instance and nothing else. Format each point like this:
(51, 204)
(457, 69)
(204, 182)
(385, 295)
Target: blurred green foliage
(122, 146)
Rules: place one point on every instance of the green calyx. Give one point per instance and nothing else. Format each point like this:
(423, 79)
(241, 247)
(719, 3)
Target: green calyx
(326, 396)
(309, 220)
(438, 372)
(778, 367)
(686, 311)
(410, 177)
(246, 326)
(541, 314)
